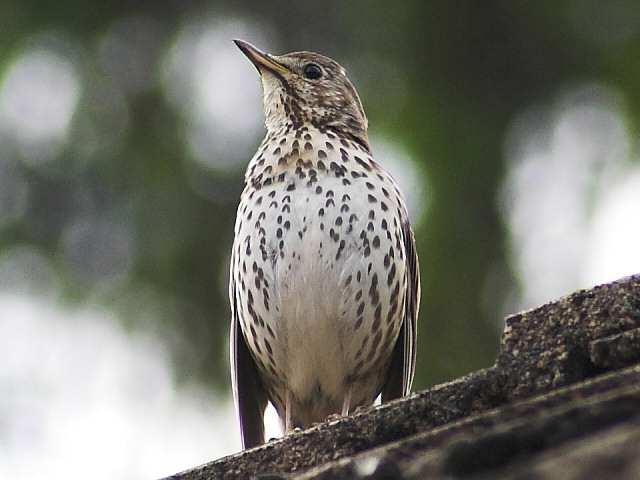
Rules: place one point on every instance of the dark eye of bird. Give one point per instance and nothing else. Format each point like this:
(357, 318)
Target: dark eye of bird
(312, 71)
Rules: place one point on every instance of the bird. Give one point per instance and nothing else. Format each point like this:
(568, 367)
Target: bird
(324, 280)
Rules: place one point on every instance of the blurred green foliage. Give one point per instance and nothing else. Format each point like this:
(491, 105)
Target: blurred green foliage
(465, 69)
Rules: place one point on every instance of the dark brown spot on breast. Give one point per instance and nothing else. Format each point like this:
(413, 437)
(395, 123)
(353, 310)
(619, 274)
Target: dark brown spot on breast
(392, 275)
(377, 315)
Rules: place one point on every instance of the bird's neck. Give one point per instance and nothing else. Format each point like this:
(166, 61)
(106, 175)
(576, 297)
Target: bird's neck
(298, 127)
(285, 147)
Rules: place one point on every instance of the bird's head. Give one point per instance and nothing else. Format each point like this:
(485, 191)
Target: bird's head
(303, 88)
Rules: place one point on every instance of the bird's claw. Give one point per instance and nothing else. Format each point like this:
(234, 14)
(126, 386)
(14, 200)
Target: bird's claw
(333, 416)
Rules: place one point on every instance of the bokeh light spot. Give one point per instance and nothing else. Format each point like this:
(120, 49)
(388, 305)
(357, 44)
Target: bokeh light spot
(560, 164)
(212, 84)
(411, 179)
(38, 97)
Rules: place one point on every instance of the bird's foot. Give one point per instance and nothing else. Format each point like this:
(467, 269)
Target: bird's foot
(333, 416)
(292, 431)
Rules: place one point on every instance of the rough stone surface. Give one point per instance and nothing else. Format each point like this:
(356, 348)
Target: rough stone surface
(617, 350)
(500, 441)
(561, 401)
(548, 347)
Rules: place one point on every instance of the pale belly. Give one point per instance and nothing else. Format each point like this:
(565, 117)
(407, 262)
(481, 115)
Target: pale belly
(322, 298)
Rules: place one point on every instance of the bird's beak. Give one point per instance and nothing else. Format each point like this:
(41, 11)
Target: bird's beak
(261, 59)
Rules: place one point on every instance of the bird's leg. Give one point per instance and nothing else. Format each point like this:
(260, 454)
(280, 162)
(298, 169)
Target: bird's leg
(287, 413)
(346, 403)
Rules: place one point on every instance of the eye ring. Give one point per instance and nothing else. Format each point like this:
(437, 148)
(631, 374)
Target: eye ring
(312, 71)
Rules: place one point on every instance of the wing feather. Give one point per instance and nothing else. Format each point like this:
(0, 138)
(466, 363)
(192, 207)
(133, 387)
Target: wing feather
(403, 361)
(248, 393)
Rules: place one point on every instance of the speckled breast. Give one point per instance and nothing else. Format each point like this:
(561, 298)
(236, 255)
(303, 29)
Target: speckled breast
(320, 264)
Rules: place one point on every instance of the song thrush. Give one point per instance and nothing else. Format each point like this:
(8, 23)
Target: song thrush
(324, 281)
